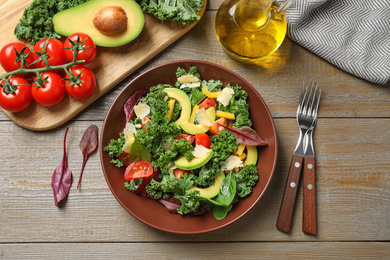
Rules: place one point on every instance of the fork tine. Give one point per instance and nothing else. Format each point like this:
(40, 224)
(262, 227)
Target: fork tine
(302, 100)
(316, 103)
(313, 94)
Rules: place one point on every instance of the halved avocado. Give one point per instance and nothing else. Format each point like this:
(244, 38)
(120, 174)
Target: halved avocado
(211, 191)
(184, 101)
(251, 157)
(81, 19)
(182, 163)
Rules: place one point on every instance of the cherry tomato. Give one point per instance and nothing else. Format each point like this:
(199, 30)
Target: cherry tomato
(48, 89)
(216, 128)
(55, 53)
(9, 59)
(87, 48)
(138, 170)
(203, 139)
(190, 138)
(83, 86)
(16, 96)
(145, 121)
(207, 103)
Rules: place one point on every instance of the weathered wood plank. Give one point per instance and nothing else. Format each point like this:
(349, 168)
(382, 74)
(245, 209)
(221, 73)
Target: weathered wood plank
(253, 250)
(278, 80)
(353, 186)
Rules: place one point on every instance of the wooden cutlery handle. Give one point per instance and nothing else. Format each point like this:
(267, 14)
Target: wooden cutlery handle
(309, 224)
(290, 193)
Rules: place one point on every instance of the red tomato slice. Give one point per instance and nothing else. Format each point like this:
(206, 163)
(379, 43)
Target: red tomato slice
(138, 170)
(145, 121)
(179, 173)
(190, 138)
(126, 157)
(215, 128)
(207, 103)
(203, 139)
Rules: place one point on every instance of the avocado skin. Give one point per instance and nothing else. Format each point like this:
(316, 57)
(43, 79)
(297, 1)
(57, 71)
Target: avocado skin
(79, 19)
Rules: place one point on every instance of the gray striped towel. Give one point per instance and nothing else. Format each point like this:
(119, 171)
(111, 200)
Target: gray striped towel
(353, 35)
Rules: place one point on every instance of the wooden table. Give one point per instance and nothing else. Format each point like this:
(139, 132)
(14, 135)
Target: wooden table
(352, 143)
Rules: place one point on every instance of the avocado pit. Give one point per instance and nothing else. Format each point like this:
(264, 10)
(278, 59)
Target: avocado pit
(110, 20)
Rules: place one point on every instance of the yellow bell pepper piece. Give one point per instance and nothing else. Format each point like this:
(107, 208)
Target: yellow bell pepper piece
(240, 149)
(210, 94)
(242, 156)
(224, 114)
(171, 105)
(193, 114)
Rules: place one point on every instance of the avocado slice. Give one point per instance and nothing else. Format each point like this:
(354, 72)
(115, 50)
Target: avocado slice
(193, 129)
(251, 156)
(184, 101)
(182, 163)
(211, 191)
(117, 31)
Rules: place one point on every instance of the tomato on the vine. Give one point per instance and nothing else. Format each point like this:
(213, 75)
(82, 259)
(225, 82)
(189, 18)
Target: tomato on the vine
(15, 95)
(80, 86)
(85, 45)
(138, 170)
(11, 56)
(54, 52)
(48, 89)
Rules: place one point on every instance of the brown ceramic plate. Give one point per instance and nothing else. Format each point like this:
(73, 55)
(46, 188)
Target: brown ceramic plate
(152, 212)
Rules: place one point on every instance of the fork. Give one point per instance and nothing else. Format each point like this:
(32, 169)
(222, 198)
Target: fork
(309, 223)
(306, 118)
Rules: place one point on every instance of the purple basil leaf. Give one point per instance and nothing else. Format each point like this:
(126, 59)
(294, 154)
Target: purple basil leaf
(88, 145)
(62, 178)
(245, 135)
(128, 107)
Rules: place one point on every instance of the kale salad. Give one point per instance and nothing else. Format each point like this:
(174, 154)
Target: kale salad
(190, 146)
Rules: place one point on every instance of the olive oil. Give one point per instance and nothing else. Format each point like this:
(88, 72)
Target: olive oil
(250, 30)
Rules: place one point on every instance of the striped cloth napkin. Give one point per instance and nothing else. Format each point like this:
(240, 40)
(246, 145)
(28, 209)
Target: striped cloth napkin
(353, 35)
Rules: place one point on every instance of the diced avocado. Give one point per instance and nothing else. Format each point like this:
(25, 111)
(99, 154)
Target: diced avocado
(193, 129)
(184, 101)
(251, 157)
(182, 163)
(211, 191)
(109, 23)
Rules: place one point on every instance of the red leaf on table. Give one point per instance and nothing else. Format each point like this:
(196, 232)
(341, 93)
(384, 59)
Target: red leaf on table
(128, 107)
(62, 178)
(88, 145)
(245, 135)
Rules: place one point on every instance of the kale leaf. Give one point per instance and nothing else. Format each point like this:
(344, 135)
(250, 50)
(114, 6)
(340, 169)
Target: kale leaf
(37, 20)
(246, 179)
(183, 11)
(114, 150)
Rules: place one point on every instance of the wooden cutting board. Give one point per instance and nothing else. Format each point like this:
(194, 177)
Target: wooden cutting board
(110, 66)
